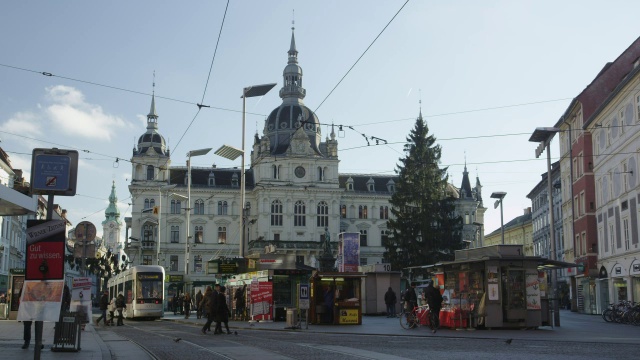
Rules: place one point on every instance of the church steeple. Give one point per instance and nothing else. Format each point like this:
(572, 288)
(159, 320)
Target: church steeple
(465, 188)
(292, 90)
(112, 212)
(152, 117)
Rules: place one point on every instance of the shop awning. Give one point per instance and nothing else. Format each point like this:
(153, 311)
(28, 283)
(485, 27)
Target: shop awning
(548, 264)
(543, 263)
(15, 203)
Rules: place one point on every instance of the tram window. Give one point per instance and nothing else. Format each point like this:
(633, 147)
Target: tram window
(128, 291)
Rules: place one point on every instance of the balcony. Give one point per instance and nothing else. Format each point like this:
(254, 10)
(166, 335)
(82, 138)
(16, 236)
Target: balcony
(148, 244)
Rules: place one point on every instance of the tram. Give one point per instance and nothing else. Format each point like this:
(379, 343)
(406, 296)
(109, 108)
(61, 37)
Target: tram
(143, 289)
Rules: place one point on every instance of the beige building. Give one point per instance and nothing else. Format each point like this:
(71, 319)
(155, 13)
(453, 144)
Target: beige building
(518, 231)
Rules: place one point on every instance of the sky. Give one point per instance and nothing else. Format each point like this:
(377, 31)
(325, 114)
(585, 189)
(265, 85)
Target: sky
(484, 74)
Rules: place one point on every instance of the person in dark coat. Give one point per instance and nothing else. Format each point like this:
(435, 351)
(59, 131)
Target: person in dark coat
(198, 307)
(120, 306)
(210, 298)
(222, 312)
(410, 297)
(240, 302)
(390, 300)
(104, 305)
(434, 300)
(174, 304)
(187, 305)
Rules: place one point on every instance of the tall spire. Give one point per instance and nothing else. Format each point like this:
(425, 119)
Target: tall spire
(292, 90)
(152, 117)
(112, 212)
(465, 188)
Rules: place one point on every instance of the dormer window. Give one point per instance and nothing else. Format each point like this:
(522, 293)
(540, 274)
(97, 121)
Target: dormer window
(212, 179)
(350, 184)
(371, 187)
(234, 180)
(391, 186)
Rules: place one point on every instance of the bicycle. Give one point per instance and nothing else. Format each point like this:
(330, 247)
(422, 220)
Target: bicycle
(410, 319)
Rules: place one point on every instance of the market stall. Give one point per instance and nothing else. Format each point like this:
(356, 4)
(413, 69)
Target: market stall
(336, 298)
(494, 287)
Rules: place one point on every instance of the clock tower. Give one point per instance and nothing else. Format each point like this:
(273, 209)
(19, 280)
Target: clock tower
(112, 224)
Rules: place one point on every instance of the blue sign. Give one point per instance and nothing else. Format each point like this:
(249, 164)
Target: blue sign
(54, 172)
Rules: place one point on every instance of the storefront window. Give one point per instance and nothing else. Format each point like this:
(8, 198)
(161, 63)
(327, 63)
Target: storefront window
(636, 289)
(619, 289)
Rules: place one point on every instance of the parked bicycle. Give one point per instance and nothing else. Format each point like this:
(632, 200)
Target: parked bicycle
(623, 312)
(416, 317)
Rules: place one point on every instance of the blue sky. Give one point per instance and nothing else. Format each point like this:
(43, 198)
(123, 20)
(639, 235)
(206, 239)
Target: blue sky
(488, 73)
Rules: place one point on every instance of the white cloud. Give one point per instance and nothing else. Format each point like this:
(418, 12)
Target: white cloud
(74, 116)
(22, 123)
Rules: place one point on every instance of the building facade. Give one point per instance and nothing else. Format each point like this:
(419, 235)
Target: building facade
(614, 126)
(517, 231)
(295, 196)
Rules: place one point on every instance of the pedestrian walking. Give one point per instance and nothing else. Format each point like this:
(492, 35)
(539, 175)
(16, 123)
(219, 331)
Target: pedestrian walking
(434, 300)
(410, 297)
(240, 302)
(104, 305)
(390, 300)
(198, 307)
(120, 306)
(112, 311)
(210, 298)
(174, 304)
(222, 312)
(187, 305)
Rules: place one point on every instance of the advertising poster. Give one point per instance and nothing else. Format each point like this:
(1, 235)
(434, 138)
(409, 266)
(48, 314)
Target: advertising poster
(40, 300)
(45, 249)
(261, 300)
(533, 290)
(350, 252)
(494, 294)
(18, 282)
(81, 298)
(348, 316)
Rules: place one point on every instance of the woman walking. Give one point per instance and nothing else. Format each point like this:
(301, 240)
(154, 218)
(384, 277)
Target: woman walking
(222, 312)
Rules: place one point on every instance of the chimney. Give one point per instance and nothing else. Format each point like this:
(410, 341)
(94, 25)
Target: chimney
(527, 211)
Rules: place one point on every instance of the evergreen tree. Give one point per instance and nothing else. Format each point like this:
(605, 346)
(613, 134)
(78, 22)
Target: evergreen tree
(425, 229)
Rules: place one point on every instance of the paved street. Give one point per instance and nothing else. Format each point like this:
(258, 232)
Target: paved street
(580, 336)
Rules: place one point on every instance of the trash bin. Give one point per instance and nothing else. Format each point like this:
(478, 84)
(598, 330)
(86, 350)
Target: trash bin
(292, 317)
(67, 333)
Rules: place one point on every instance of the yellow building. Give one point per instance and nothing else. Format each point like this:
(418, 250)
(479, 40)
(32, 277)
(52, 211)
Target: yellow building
(518, 231)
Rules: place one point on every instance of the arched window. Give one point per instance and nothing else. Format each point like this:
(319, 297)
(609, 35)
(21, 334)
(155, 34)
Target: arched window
(222, 234)
(276, 213)
(146, 203)
(384, 212)
(363, 237)
(175, 207)
(343, 211)
(199, 209)
(199, 235)
(323, 215)
(152, 203)
(150, 172)
(362, 211)
(299, 214)
(223, 208)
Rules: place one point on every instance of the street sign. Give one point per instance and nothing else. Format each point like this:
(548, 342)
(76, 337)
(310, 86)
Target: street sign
(54, 172)
(303, 300)
(45, 249)
(85, 231)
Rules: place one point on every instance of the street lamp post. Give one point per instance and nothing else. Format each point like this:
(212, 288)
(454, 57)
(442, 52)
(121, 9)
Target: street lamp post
(500, 196)
(232, 153)
(543, 136)
(191, 153)
(160, 189)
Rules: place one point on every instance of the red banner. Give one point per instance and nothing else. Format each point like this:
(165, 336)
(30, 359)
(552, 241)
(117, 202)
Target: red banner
(261, 300)
(45, 249)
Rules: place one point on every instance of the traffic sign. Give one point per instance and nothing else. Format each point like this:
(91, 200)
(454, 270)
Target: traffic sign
(54, 172)
(85, 231)
(303, 300)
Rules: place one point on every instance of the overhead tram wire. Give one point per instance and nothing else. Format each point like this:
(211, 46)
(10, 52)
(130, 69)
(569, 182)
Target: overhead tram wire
(365, 51)
(204, 92)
